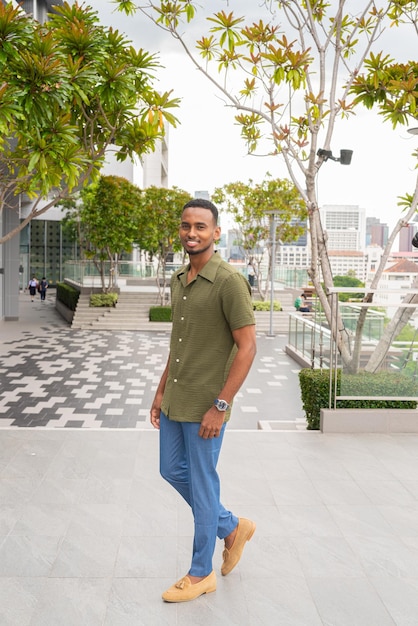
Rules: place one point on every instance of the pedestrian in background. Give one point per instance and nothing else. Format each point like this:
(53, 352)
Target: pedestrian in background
(33, 286)
(251, 274)
(212, 348)
(43, 286)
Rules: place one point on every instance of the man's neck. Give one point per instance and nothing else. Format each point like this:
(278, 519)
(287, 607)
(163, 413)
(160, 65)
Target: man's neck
(198, 261)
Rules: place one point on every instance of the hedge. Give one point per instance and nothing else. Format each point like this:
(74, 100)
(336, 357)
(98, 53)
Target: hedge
(68, 295)
(264, 305)
(160, 314)
(103, 299)
(314, 386)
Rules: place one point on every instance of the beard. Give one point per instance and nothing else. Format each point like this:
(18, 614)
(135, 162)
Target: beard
(194, 252)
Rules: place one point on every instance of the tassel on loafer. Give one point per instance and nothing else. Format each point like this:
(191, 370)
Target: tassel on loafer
(184, 591)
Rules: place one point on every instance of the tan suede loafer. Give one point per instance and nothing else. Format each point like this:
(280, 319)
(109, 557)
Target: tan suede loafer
(184, 591)
(245, 531)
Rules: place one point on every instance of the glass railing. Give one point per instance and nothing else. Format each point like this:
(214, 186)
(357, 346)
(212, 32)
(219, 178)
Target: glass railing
(381, 348)
(86, 273)
(310, 338)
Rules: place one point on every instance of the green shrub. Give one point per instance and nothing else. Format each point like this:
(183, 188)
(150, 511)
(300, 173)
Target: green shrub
(160, 314)
(103, 299)
(314, 386)
(68, 295)
(264, 305)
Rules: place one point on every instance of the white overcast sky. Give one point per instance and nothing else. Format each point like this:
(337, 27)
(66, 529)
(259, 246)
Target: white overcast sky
(206, 150)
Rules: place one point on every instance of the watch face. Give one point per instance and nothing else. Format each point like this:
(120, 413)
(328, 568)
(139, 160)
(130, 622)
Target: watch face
(221, 405)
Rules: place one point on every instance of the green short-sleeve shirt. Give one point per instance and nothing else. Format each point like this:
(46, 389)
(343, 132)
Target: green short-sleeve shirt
(202, 347)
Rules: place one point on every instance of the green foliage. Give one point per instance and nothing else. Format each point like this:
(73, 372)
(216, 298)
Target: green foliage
(249, 205)
(389, 85)
(263, 305)
(109, 215)
(160, 314)
(69, 89)
(314, 385)
(348, 281)
(103, 299)
(68, 295)
(105, 220)
(408, 334)
(160, 220)
(260, 66)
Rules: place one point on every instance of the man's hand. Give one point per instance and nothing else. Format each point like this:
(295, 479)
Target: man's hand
(212, 423)
(155, 417)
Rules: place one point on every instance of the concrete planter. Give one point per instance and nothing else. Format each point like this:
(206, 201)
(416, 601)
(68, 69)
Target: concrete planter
(369, 421)
(64, 311)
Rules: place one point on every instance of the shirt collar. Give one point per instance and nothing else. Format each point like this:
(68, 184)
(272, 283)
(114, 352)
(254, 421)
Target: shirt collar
(208, 271)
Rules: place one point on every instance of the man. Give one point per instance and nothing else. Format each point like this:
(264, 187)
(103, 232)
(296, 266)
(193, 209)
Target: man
(43, 286)
(211, 351)
(304, 308)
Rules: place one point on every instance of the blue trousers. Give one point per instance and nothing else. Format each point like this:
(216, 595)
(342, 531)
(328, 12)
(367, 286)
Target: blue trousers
(188, 463)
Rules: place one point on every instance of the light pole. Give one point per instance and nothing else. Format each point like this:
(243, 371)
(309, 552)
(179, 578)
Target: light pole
(272, 263)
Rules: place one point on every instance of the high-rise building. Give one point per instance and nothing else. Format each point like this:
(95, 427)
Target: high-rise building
(345, 226)
(155, 165)
(405, 237)
(376, 232)
(38, 8)
(296, 253)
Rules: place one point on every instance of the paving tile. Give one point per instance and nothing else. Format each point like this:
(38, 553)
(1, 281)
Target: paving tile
(18, 599)
(28, 555)
(35, 395)
(90, 533)
(70, 601)
(345, 602)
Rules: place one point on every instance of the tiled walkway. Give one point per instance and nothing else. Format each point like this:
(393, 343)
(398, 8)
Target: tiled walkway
(55, 377)
(90, 535)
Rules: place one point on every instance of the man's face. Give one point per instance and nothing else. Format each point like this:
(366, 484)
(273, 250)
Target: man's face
(198, 231)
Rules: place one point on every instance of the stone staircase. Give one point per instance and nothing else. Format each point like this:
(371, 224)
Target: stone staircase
(132, 313)
(280, 319)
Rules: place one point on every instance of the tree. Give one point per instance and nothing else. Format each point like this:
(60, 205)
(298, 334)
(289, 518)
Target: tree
(107, 218)
(294, 85)
(250, 206)
(70, 90)
(348, 281)
(158, 228)
(393, 88)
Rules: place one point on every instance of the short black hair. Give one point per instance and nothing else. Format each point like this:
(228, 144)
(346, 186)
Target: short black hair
(202, 204)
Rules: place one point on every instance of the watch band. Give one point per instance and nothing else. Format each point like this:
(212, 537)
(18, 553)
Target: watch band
(221, 405)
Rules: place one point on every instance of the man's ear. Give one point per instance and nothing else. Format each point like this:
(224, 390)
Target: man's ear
(217, 233)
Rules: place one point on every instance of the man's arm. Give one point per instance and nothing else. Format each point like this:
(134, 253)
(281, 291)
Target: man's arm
(247, 347)
(156, 405)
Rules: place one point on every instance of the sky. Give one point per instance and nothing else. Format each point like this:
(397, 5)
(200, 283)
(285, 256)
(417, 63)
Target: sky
(206, 150)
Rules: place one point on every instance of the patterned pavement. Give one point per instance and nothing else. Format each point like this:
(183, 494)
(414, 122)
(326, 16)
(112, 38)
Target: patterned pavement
(55, 377)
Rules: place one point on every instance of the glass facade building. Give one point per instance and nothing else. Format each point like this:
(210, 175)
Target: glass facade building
(44, 248)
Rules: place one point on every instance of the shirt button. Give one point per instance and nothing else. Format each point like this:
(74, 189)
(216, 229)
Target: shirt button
(184, 297)
(180, 339)
(177, 360)
(175, 380)
(182, 318)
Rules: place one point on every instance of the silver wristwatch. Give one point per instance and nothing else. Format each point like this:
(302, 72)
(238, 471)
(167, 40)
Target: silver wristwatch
(221, 405)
